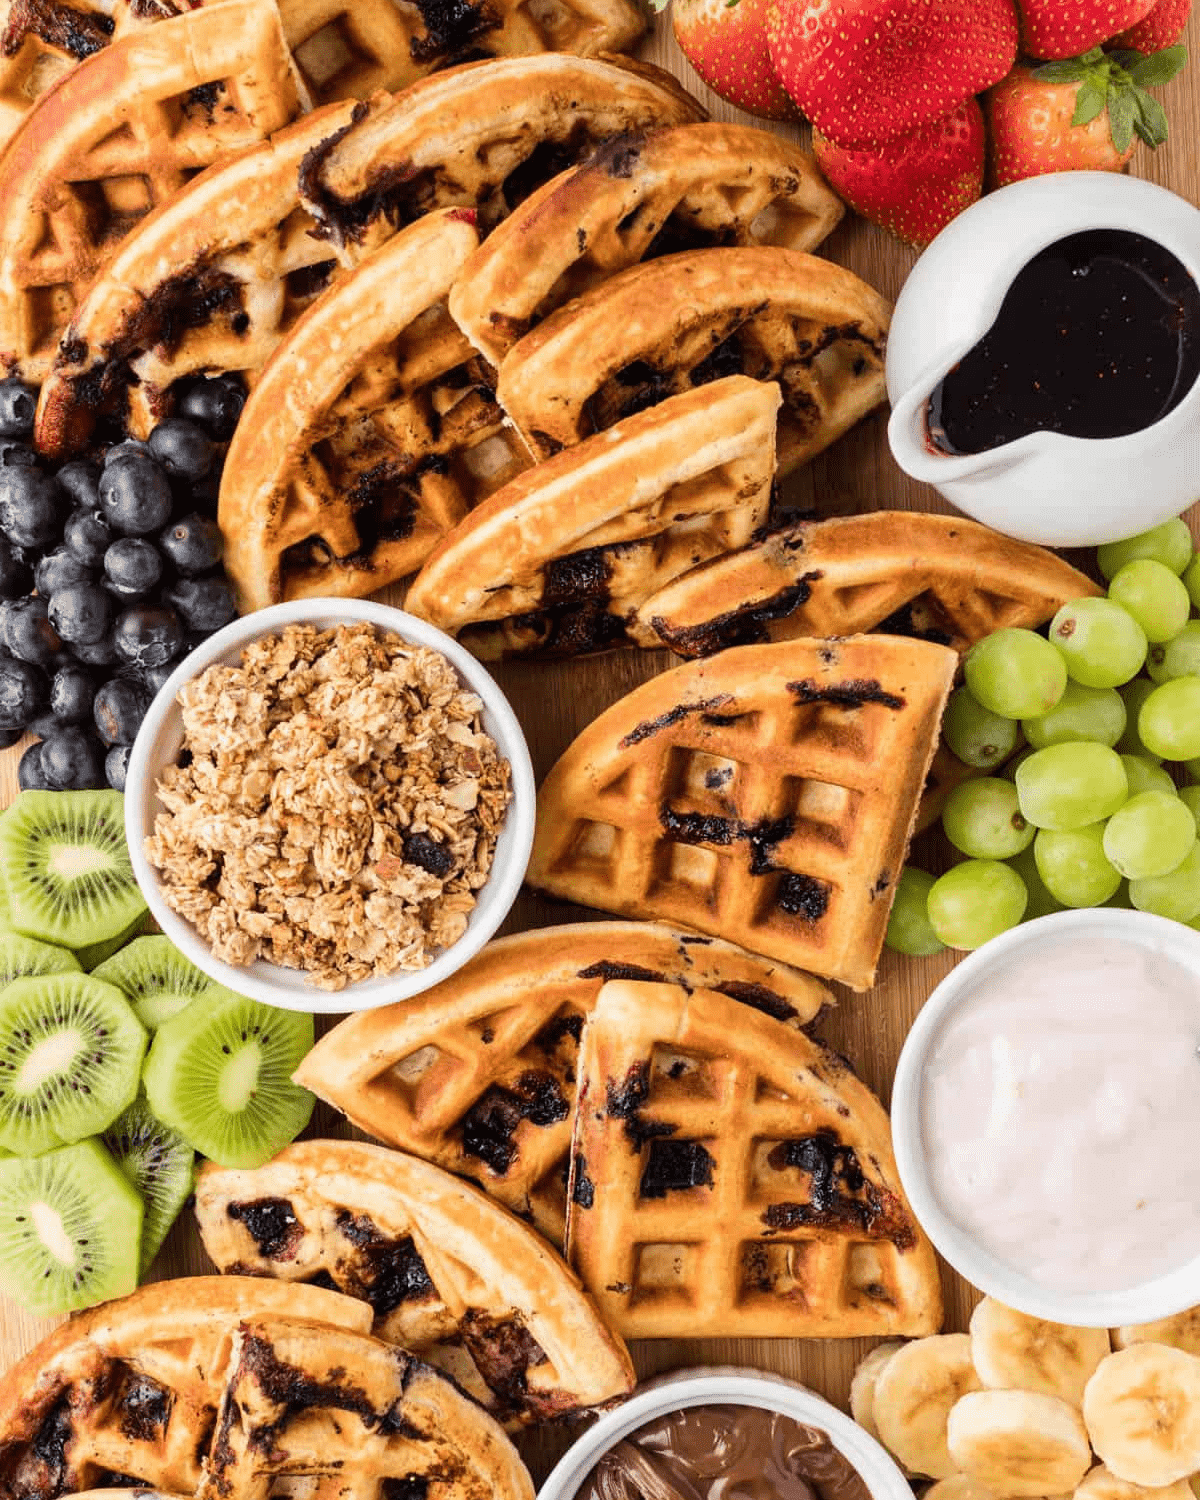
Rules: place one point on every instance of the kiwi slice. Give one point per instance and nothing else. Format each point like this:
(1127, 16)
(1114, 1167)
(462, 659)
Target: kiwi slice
(156, 977)
(22, 956)
(92, 955)
(221, 1074)
(65, 864)
(70, 1224)
(159, 1163)
(70, 1053)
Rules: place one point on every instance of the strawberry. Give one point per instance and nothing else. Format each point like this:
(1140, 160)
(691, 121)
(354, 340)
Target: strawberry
(867, 72)
(725, 41)
(916, 185)
(1084, 113)
(1163, 27)
(1066, 28)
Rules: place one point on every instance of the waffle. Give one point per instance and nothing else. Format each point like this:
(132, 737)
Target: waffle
(372, 430)
(478, 1074)
(481, 136)
(333, 1415)
(733, 1178)
(765, 795)
(939, 578)
(128, 1392)
(639, 196)
(450, 1276)
(556, 562)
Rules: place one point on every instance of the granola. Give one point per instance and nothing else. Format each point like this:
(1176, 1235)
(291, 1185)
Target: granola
(335, 805)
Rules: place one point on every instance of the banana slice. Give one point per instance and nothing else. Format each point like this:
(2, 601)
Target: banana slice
(957, 1487)
(1102, 1484)
(1018, 1442)
(913, 1395)
(1014, 1352)
(862, 1387)
(1180, 1332)
(1142, 1409)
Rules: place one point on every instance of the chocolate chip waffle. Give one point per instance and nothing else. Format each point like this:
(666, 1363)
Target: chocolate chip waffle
(333, 1415)
(639, 196)
(128, 1392)
(211, 281)
(684, 320)
(765, 795)
(478, 1074)
(371, 431)
(556, 562)
(449, 1275)
(483, 136)
(115, 138)
(733, 1178)
(39, 43)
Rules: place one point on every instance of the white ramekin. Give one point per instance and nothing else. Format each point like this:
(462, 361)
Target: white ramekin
(1159, 1298)
(158, 744)
(727, 1387)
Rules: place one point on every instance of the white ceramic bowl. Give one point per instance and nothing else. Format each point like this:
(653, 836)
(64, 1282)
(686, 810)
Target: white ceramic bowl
(727, 1387)
(1145, 1303)
(157, 746)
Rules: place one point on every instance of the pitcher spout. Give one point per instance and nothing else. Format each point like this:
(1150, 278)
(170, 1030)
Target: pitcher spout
(915, 451)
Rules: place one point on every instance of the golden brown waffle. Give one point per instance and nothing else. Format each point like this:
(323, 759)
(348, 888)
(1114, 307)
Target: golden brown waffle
(478, 1074)
(765, 795)
(211, 281)
(557, 562)
(333, 1415)
(684, 320)
(733, 1178)
(372, 430)
(129, 1390)
(940, 578)
(483, 136)
(640, 196)
(39, 42)
(450, 1275)
(116, 137)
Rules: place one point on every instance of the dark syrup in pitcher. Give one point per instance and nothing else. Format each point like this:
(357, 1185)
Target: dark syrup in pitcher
(1098, 337)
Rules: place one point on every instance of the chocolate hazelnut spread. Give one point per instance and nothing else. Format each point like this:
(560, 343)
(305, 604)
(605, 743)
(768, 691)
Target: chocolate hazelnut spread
(724, 1453)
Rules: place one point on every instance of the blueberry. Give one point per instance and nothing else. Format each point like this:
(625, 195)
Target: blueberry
(71, 692)
(148, 636)
(81, 484)
(14, 455)
(119, 709)
(88, 535)
(8, 738)
(216, 404)
(22, 692)
(184, 449)
(80, 612)
(193, 544)
(43, 724)
(16, 577)
(205, 603)
(204, 497)
(124, 448)
(101, 653)
(71, 760)
(28, 632)
(134, 495)
(30, 507)
(18, 404)
(132, 566)
(29, 771)
(152, 678)
(58, 569)
(116, 767)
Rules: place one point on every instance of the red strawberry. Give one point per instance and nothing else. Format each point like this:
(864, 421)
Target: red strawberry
(1065, 28)
(866, 72)
(916, 185)
(1163, 27)
(725, 41)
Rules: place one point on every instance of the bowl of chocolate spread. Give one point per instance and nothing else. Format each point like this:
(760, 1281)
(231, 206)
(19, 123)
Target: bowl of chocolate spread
(1044, 359)
(725, 1434)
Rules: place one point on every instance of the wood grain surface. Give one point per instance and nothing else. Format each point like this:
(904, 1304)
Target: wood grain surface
(554, 701)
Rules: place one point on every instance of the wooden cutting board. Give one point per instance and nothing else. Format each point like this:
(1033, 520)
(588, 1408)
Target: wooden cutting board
(554, 701)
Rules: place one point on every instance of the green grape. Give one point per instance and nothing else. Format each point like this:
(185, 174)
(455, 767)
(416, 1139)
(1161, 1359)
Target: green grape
(980, 738)
(983, 820)
(1074, 867)
(1041, 902)
(1069, 786)
(1169, 544)
(908, 929)
(1192, 767)
(1016, 673)
(1169, 720)
(1145, 775)
(1154, 596)
(1101, 643)
(1133, 695)
(1176, 895)
(1009, 769)
(1082, 713)
(1178, 657)
(1150, 835)
(1190, 797)
(1191, 580)
(976, 901)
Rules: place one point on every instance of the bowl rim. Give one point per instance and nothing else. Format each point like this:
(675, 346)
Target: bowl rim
(1160, 1297)
(727, 1386)
(513, 848)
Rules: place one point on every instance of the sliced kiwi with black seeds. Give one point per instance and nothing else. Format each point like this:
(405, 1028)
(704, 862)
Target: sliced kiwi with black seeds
(66, 867)
(156, 977)
(70, 1226)
(92, 955)
(221, 1074)
(71, 1050)
(21, 956)
(159, 1163)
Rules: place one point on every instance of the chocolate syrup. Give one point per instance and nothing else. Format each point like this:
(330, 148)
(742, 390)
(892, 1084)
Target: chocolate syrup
(1098, 337)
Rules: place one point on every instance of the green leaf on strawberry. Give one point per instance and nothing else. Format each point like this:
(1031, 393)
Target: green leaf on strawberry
(1090, 102)
(1161, 67)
